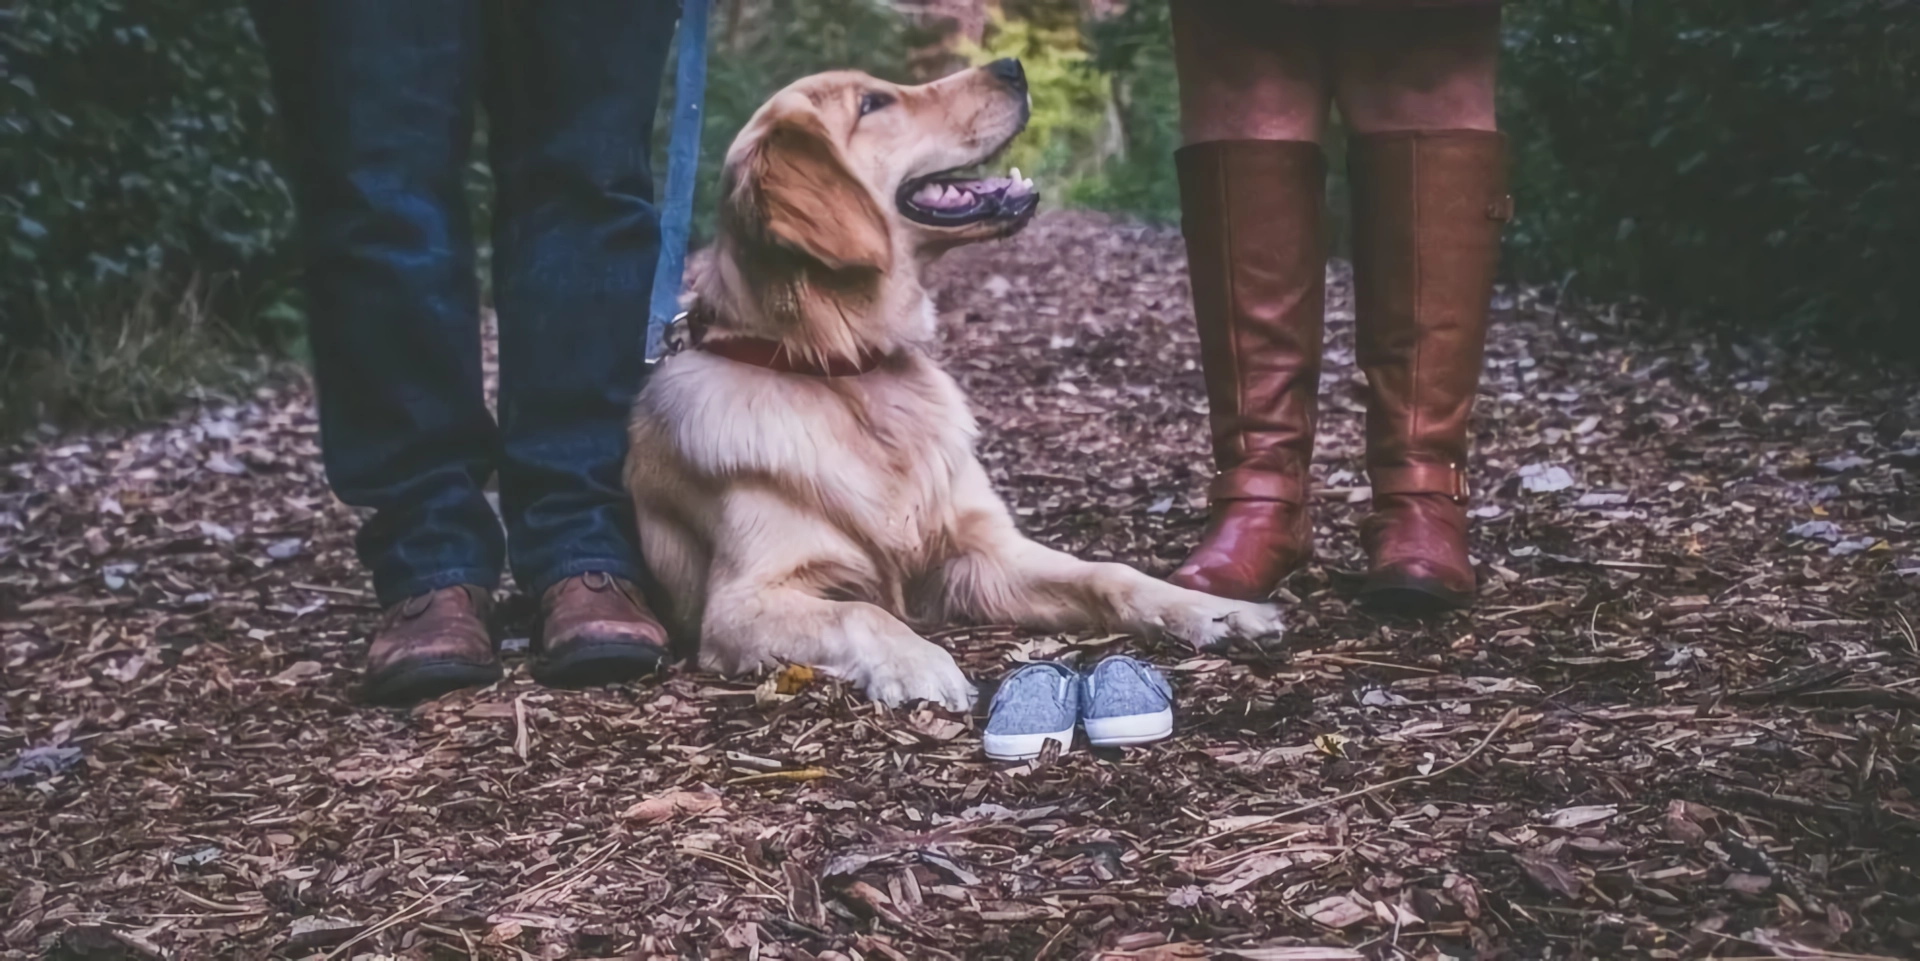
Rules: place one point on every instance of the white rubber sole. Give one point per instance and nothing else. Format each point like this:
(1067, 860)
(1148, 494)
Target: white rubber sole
(1020, 747)
(1129, 730)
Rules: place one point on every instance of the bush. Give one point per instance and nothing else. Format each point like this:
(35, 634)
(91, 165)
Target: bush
(1748, 162)
(134, 176)
(1070, 136)
(133, 145)
(143, 230)
(759, 46)
(1134, 50)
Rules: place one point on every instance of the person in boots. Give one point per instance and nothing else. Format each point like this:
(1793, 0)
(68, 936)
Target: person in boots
(1414, 84)
(378, 99)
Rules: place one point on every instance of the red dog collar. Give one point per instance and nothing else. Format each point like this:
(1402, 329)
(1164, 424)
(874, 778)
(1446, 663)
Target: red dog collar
(776, 356)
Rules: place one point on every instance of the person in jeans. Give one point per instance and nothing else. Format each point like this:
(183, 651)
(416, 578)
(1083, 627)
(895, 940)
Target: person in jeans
(1414, 83)
(379, 98)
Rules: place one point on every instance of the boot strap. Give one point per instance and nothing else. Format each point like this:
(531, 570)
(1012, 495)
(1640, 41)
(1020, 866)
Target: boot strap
(1448, 479)
(1249, 483)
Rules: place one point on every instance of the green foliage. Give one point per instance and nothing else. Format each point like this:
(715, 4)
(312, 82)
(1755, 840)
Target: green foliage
(134, 151)
(136, 158)
(1755, 162)
(133, 146)
(760, 46)
(1750, 161)
(1747, 161)
(1069, 135)
(1134, 50)
(128, 351)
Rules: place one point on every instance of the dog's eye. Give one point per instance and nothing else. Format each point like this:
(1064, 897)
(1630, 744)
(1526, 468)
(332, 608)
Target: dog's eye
(869, 102)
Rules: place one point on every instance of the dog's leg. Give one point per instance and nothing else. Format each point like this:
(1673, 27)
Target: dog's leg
(999, 575)
(754, 626)
(771, 574)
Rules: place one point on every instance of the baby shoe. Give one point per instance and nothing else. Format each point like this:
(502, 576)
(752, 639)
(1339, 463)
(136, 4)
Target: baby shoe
(1036, 704)
(1126, 702)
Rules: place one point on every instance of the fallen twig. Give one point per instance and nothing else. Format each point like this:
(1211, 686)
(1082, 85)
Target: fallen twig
(803, 774)
(424, 904)
(1505, 720)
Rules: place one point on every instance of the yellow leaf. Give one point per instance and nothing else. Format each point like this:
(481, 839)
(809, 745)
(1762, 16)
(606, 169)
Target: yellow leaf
(1332, 745)
(1819, 511)
(793, 679)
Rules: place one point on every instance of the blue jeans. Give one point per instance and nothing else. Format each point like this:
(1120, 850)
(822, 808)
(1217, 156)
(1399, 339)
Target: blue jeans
(378, 100)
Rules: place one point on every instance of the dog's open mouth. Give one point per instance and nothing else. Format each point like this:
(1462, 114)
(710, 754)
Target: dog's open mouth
(948, 200)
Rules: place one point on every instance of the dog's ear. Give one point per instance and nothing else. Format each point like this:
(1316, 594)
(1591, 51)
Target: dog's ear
(793, 188)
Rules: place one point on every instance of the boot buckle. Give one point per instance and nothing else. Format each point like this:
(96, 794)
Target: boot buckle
(1462, 491)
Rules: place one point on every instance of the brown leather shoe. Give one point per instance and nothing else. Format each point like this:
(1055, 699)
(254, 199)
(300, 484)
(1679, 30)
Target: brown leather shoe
(1428, 207)
(1251, 211)
(596, 629)
(431, 644)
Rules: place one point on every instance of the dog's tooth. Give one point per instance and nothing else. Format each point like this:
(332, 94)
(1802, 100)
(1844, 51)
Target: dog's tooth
(1013, 174)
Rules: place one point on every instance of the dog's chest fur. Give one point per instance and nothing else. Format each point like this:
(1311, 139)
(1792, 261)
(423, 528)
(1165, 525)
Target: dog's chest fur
(873, 456)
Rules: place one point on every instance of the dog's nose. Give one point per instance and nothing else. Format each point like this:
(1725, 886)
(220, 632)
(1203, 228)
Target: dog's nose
(1009, 70)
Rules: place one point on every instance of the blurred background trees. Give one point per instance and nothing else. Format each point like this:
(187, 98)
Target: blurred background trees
(1752, 164)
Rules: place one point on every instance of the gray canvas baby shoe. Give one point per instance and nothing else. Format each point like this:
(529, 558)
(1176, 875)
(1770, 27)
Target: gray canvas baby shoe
(1036, 704)
(1126, 702)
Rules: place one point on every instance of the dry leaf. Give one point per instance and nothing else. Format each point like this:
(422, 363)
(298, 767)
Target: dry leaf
(1544, 478)
(1185, 896)
(1249, 872)
(1573, 817)
(1464, 893)
(1680, 827)
(1552, 875)
(934, 727)
(672, 805)
(1338, 911)
(793, 679)
(298, 671)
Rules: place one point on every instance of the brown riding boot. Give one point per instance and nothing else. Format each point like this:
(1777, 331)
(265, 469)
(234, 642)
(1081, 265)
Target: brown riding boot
(1256, 254)
(1428, 207)
(596, 629)
(431, 644)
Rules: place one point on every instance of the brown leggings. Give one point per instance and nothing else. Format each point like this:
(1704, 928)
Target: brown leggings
(1259, 70)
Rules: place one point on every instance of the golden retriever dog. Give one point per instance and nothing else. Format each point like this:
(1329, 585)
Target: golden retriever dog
(803, 476)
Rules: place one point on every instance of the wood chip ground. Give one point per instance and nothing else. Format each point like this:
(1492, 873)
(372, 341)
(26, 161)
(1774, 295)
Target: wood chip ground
(1680, 723)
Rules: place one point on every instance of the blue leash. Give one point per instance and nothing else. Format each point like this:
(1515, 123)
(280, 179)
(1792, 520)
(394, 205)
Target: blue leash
(683, 162)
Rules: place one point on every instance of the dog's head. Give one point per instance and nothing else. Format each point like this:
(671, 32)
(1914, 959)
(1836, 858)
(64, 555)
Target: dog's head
(851, 171)
(843, 184)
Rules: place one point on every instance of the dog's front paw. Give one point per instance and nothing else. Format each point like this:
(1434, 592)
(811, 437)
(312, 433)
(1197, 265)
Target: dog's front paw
(1211, 623)
(921, 672)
